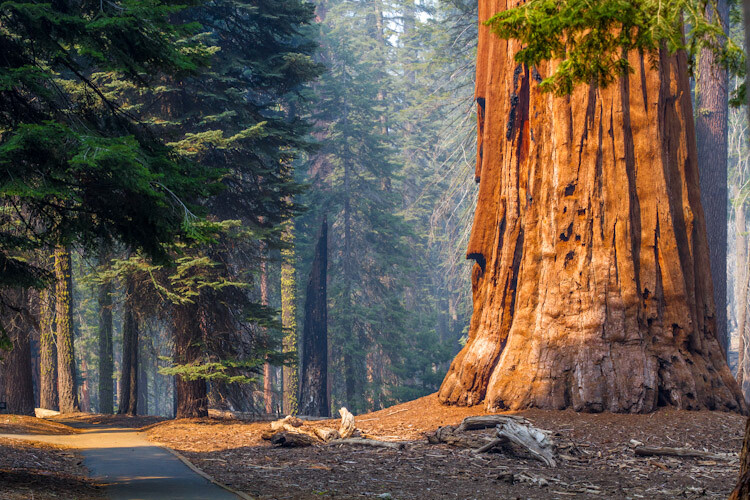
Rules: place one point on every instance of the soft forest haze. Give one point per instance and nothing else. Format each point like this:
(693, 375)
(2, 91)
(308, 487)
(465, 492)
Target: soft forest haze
(374, 248)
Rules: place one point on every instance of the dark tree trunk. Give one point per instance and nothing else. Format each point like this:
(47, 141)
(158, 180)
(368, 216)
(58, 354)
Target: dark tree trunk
(47, 352)
(143, 380)
(67, 387)
(15, 365)
(591, 288)
(106, 364)
(267, 368)
(288, 322)
(711, 129)
(129, 365)
(192, 396)
(313, 398)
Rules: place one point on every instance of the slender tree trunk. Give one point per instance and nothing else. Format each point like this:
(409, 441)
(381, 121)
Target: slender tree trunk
(192, 396)
(711, 127)
(106, 363)
(267, 369)
(143, 379)
(352, 370)
(742, 366)
(67, 386)
(47, 351)
(16, 383)
(85, 393)
(288, 320)
(129, 365)
(313, 398)
(592, 287)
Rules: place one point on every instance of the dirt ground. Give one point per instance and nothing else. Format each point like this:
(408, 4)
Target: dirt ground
(40, 471)
(598, 457)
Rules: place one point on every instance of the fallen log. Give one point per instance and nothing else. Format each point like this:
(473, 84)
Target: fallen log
(326, 434)
(369, 442)
(292, 440)
(531, 439)
(650, 451)
(488, 422)
(289, 420)
(449, 435)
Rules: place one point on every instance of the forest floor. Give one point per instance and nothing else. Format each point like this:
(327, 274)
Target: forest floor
(599, 458)
(39, 470)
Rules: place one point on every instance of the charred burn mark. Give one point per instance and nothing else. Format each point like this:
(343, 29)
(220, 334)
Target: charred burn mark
(478, 258)
(516, 74)
(568, 257)
(565, 236)
(512, 115)
(570, 189)
(582, 212)
(535, 75)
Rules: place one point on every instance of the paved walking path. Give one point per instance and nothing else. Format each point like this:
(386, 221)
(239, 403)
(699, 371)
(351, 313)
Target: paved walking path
(132, 467)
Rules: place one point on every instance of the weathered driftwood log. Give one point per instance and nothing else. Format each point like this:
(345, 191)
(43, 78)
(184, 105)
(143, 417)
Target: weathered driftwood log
(347, 424)
(326, 434)
(289, 420)
(453, 437)
(530, 438)
(650, 451)
(292, 440)
(510, 429)
(488, 422)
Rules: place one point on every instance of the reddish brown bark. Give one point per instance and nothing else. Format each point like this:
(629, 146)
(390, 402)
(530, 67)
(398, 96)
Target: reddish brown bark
(592, 286)
(16, 384)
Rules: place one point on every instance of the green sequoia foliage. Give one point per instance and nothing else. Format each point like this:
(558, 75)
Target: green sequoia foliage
(591, 39)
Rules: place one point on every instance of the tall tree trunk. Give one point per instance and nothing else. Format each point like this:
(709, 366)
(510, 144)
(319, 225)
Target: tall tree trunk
(47, 351)
(67, 387)
(143, 379)
(16, 383)
(267, 369)
(711, 127)
(129, 365)
(288, 320)
(742, 490)
(191, 395)
(743, 370)
(313, 398)
(106, 363)
(85, 392)
(591, 287)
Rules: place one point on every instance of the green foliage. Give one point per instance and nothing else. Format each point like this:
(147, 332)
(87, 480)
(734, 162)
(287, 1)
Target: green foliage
(215, 372)
(589, 40)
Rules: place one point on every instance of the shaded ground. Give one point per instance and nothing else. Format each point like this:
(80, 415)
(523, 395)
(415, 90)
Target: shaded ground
(42, 471)
(598, 457)
(122, 459)
(19, 424)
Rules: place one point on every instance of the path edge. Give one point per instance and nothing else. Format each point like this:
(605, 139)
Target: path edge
(204, 475)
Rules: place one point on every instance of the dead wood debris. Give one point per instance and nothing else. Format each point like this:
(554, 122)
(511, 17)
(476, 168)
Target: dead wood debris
(510, 432)
(650, 451)
(290, 432)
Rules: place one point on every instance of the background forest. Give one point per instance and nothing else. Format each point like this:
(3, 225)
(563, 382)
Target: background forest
(262, 121)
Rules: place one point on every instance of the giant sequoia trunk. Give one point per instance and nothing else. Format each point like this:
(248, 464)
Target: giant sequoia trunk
(592, 286)
(67, 387)
(16, 384)
(313, 398)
